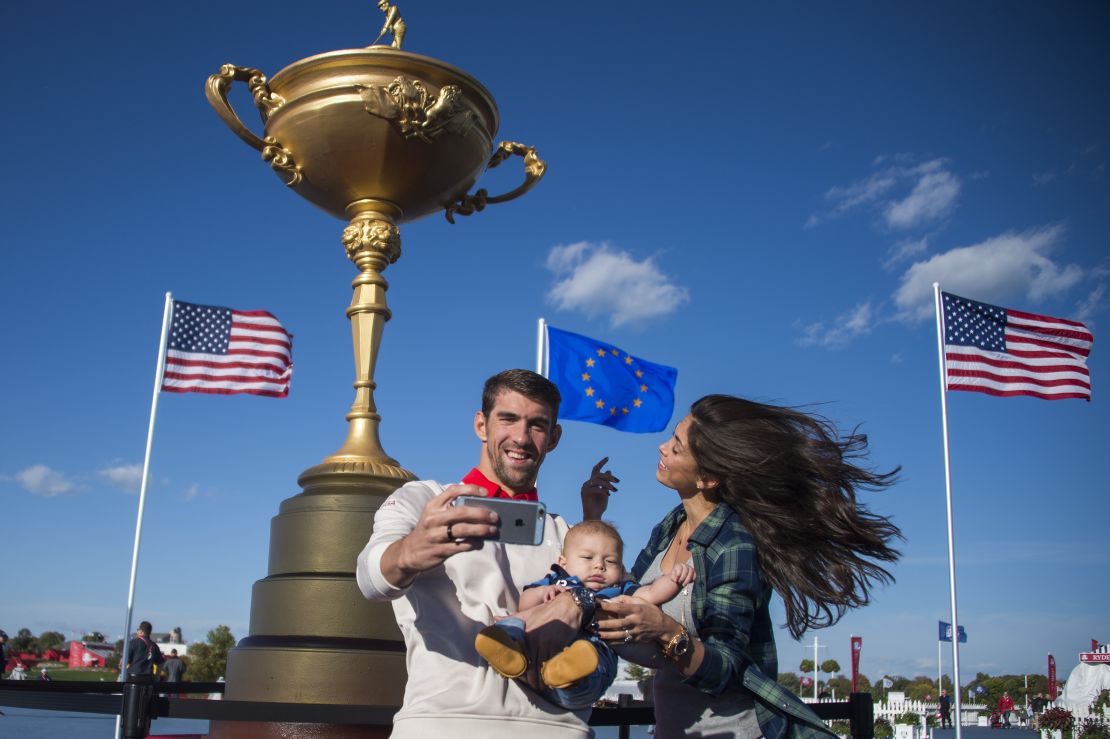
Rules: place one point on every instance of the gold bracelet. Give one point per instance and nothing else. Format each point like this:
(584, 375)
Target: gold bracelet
(679, 644)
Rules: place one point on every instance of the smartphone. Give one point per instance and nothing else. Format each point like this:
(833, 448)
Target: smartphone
(522, 521)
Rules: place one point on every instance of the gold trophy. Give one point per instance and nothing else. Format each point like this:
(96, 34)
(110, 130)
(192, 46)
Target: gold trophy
(375, 136)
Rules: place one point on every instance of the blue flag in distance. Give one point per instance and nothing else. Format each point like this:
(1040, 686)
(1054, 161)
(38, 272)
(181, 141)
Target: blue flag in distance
(945, 630)
(602, 384)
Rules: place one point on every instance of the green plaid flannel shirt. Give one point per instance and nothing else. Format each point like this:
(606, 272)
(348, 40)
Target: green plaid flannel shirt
(730, 605)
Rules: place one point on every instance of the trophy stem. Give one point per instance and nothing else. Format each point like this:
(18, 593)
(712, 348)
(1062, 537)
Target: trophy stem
(373, 242)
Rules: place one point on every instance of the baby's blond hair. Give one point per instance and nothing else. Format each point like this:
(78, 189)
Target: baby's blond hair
(598, 527)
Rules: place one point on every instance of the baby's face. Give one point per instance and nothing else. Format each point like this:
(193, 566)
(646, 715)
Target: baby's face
(595, 559)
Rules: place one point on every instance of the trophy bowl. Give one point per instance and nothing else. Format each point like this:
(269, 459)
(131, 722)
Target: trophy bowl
(377, 124)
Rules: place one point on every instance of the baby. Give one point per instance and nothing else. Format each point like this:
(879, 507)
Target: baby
(590, 567)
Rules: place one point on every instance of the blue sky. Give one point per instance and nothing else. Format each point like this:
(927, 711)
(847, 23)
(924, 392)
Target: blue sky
(759, 194)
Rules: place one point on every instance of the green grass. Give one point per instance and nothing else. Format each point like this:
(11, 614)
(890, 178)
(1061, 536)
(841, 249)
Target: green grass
(64, 673)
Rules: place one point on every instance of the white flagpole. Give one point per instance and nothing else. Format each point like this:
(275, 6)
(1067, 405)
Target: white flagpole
(541, 336)
(948, 498)
(167, 314)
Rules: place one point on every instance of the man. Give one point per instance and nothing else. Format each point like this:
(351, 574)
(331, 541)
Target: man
(3, 651)
(945, 710)
(174, 668)
(143, 655)
(446, 582)
(45, 676)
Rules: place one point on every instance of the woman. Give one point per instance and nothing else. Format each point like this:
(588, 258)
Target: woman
(767, 503)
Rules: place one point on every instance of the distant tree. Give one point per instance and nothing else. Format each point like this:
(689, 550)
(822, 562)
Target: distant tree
(842, 686)
(643, 676)
(208, 660)
(921, 688)
(806, 666)
(23, 641)
(789, 680)
(51, 640)
(831, 666)
(94, 636)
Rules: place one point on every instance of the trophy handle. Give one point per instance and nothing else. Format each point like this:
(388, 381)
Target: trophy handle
(534, 169)
(280, 158)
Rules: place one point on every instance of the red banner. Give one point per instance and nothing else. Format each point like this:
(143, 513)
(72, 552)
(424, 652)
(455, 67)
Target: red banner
(857, 645)
(1094, 645)
(1051, 678)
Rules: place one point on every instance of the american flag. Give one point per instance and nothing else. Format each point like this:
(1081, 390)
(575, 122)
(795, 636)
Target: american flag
(225, 351)
(998, 351)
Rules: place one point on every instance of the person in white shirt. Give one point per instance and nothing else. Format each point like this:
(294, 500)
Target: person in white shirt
(447, 581)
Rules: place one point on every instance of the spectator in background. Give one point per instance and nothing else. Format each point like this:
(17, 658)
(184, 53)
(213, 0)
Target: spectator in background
(945, 710)
(3, 652)
(44, 675)
(1005, 706)
(143, 655)
(19, 673)
(173, 669)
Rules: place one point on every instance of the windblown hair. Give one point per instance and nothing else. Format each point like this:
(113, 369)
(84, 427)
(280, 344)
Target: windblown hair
(793, 479)
(529, 384)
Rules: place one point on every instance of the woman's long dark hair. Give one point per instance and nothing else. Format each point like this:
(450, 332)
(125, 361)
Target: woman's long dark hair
(792, 479)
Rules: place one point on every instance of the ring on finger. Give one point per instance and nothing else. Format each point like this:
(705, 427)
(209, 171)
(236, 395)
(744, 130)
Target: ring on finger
(450, 536)
(627, 636)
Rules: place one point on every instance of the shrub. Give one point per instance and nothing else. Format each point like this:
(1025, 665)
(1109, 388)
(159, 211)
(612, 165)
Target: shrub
(909, 718)
(883, 729)
(1056, 719)
(1093, 728)
(843, 728)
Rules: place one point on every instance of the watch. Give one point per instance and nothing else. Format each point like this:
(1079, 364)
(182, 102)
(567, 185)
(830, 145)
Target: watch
(679, 644)
(586, 601)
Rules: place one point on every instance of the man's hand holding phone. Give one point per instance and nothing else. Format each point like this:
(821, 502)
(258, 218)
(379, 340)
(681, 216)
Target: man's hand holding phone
(443, 530)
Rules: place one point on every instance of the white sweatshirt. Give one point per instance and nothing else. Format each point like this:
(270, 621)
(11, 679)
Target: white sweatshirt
(451, 691)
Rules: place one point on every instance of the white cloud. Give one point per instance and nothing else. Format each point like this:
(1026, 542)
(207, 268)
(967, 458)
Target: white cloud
(904, 251)
(933, 193)
(126, 477)
(1090, 305)
(933, 197)
(192, 492)
(994, 270)
(41, 480)
(846, 327)
(598, 280)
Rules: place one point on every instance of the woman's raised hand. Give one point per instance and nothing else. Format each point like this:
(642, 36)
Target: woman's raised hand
(596, 490)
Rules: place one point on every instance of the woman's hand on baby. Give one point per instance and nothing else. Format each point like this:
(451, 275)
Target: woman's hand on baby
(683, 574)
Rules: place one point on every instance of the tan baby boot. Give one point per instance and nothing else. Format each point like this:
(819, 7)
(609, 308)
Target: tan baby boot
(571, 665)
(504, 654)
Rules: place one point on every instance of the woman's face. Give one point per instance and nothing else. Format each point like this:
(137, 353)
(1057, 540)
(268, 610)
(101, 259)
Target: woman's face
(677, 468)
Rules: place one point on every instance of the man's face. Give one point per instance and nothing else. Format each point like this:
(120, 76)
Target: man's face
(516, 437)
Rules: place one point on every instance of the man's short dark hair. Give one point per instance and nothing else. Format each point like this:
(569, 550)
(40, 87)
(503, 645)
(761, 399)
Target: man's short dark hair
(526, 382)
(145, 627)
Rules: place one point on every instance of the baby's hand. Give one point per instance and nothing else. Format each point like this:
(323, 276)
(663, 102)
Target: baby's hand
(682, 574)
(551, 591)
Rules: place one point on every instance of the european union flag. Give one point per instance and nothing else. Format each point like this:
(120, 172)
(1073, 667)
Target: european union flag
(602, 384)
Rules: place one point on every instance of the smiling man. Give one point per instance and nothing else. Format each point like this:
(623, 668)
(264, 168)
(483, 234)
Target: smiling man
(447, 580)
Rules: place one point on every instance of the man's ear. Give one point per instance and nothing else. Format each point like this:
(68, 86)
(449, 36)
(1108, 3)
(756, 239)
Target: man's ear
(553, 440)
(480, 426)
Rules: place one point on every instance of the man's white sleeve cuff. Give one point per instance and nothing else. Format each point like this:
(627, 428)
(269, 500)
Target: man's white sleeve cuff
(369, 574)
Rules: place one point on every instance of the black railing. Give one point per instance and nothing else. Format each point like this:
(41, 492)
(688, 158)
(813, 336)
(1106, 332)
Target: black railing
(139, 703)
